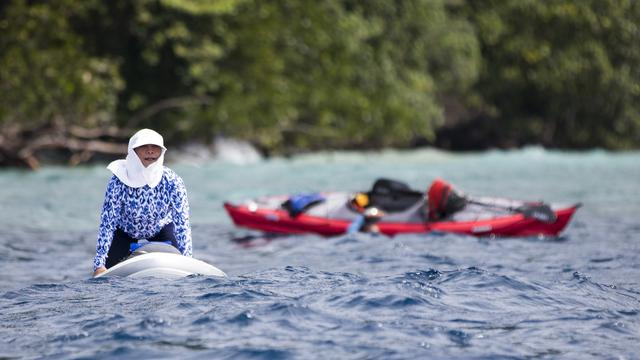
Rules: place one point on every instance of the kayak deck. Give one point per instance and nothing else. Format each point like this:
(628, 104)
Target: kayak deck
(159, 260)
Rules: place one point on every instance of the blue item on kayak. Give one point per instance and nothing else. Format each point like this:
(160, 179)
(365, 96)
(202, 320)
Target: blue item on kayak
(356, 224)
(135, 246)
(299, 203)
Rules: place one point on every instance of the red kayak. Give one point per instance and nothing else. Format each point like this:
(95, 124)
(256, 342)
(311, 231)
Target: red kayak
(400, 210)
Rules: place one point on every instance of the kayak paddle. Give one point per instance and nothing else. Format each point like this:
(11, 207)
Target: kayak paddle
(539, 211)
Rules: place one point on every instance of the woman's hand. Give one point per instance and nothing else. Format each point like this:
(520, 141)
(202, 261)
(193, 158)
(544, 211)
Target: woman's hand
(99, 270)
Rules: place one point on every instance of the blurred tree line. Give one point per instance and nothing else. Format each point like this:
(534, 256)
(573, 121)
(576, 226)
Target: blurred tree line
(290, 75)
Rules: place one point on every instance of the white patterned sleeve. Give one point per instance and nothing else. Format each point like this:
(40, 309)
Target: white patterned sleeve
(181, 217)
(108, 221)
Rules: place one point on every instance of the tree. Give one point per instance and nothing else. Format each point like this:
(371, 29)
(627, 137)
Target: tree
(562, 73)
(309, 74)
(47, 81)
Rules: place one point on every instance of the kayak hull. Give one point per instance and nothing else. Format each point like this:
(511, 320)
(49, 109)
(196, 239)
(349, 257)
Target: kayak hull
(277, 220)
(162, 265)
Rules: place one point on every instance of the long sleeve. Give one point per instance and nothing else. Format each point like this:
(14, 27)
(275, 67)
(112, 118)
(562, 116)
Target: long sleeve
(108, 223)
(180, 206)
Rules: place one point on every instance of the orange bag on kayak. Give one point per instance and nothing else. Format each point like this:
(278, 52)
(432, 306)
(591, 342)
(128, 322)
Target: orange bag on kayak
(443, 200)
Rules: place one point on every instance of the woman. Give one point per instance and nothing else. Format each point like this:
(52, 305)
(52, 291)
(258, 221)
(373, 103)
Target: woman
(144, 200)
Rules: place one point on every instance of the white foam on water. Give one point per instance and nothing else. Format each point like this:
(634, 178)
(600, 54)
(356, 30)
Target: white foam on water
(236, 151)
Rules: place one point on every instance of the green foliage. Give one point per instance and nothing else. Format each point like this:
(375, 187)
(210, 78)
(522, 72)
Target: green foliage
(562, 72)
(45, 75)
(310, 74)
(202, 7)
(304, 74)
(296, 74)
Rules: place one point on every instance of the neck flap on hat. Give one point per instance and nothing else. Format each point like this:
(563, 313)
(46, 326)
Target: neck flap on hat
(131, 171)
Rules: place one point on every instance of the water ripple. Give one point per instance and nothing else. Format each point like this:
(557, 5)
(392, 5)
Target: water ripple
(424, 296)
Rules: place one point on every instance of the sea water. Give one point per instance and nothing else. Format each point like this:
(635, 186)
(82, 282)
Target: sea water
(364, 296)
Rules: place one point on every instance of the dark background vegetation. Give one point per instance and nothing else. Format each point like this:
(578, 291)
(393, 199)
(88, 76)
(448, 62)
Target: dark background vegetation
(78, 77)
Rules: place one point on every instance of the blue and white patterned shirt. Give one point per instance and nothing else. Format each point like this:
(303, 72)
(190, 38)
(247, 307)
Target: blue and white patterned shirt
(143, 212)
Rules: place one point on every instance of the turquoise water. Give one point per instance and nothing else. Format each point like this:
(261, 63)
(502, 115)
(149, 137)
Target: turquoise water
(352, 297)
